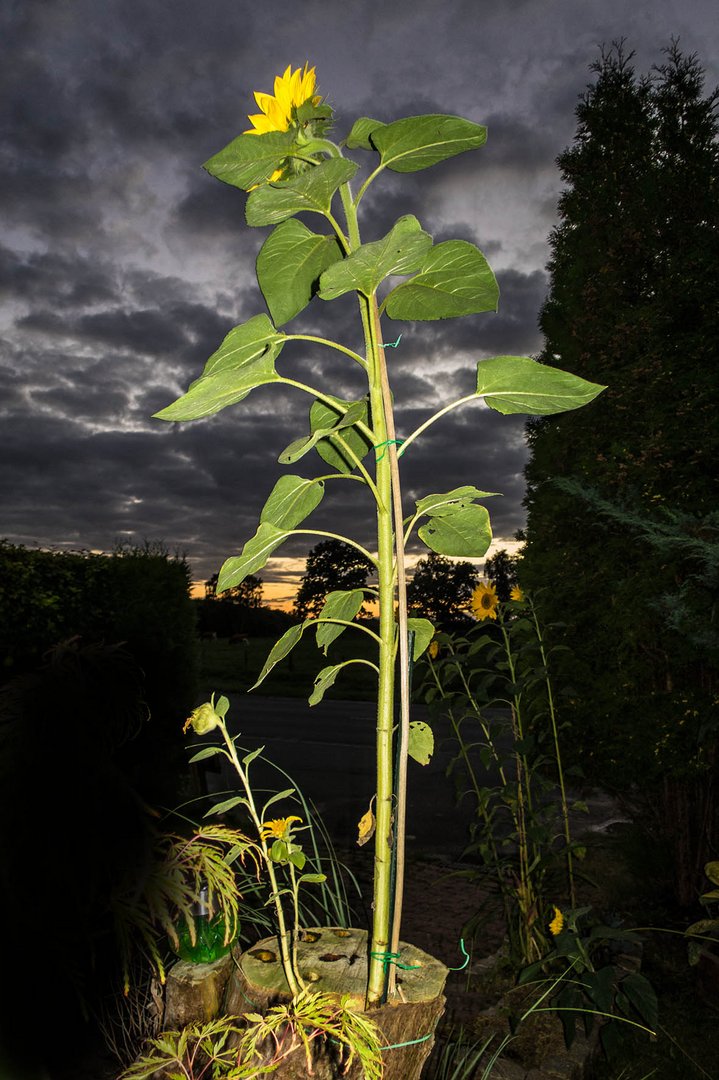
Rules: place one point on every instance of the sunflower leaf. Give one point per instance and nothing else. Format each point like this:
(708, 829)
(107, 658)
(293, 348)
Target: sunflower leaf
(423, 634)
(359, 136)
(244, 360)
(442, 505)
(289, 266)
(291, 500)
(253, 557)
(324, 680)
(279, 651)
(421, 742)
(516, 384)
(311, 191)
(420, 141)
(465, 533)
(329, 448)
(336, 422)
(250, 159)
(401, 251)
(341, 604)
(454, 279)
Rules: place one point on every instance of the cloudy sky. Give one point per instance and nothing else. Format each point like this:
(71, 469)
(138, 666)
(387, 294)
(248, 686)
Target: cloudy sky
(123, 264)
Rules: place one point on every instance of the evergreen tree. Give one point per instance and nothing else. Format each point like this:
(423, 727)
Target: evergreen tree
(632, 304)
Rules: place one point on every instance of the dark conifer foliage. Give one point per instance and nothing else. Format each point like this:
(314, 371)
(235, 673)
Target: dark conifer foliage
(633, 304)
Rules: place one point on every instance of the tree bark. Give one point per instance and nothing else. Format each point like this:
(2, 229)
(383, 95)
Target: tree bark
(334, 960)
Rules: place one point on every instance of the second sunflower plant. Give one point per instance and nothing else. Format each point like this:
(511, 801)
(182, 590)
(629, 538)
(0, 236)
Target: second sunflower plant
(288, 166)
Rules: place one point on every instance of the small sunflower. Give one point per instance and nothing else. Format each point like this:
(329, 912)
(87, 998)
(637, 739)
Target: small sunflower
(485, 602)
(516, 594)
(292, 89)
(278, 828)
(433, 649)
(557, 924)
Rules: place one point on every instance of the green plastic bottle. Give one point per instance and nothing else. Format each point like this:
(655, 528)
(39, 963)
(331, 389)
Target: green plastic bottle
(210, 942)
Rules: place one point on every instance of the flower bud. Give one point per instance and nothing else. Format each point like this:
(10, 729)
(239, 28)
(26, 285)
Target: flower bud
(202, 719)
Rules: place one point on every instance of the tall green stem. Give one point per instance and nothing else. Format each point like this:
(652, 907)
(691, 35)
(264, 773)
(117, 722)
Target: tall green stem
(381, 413)
(385, 698)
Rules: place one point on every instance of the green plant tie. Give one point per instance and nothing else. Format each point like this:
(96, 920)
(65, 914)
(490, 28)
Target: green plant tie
(391, 344)
(393, 958)
(465, 954)
(388, 442)
(412, 1042)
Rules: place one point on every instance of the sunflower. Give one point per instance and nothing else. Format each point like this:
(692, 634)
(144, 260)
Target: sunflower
(279, 828)
(485, 602)
(433, 649)
(292, 89)
(557, 924)
(516, 594)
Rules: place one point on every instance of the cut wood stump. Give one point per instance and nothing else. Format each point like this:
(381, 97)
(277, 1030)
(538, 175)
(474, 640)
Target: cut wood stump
(334, 960)
(194, 992)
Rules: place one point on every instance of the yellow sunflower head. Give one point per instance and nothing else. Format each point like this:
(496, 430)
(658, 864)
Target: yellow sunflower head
(433, 649)
(279, 828)
(516, 594)
(292, 90)
(485, 602)
(557, 924)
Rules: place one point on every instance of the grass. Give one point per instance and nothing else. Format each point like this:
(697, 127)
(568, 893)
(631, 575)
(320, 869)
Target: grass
(234, 668)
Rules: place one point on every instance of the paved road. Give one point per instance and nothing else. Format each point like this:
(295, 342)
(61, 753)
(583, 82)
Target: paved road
(328, 750)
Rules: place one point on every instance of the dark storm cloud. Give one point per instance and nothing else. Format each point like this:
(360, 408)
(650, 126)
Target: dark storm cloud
(124, 264)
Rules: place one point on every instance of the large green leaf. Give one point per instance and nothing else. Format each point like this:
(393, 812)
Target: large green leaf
(401, 251)
(279, 651)
(330, 449)
(454, 279)
(310, 191)
(245, 342)
(516, 384)
(335, 422)
(289, 266)
(341, 604)
(421, 742)
(423, 634)
(359, 136)
(420, 141)
(441, 505)
(210, 393)
(291, 500)
(244, 360)
(465, 533)
(250, 159)
(253, 556)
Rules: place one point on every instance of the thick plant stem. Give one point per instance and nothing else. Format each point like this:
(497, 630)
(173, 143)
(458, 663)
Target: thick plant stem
(385, 696)
(400, 815)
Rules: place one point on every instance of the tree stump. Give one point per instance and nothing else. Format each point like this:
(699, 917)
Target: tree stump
(335, 960)
(194, 992)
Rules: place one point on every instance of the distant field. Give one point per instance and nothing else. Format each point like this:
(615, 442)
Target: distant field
(232, 668)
